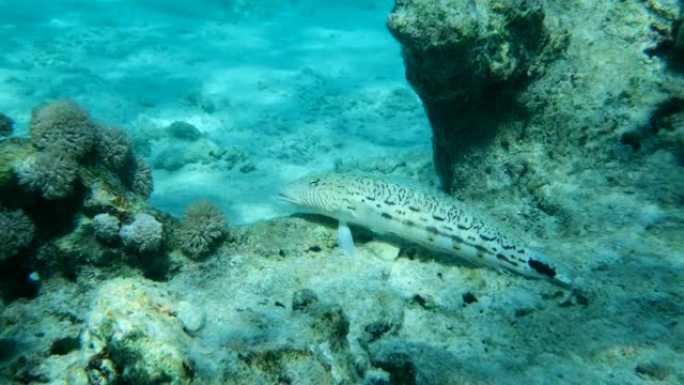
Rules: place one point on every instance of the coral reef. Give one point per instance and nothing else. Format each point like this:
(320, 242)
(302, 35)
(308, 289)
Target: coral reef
(468, 61)
(6, 125)
(17, 232)
(113, 147)
(140, 333)
(570, 131)
(106, 227)
(144, 234)
(131, 336)
(62, 126)
(590, 122)
(203, 226)
(76, 194)
(50, 172)
(141, 181)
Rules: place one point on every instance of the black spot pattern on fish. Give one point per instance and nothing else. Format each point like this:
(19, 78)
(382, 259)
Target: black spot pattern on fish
(502, 257)
(428, 215)
(456, 239)
(481, 248)
(487, 237)
(438, 218)
(542, 268)
(401, 194)
(507, 244)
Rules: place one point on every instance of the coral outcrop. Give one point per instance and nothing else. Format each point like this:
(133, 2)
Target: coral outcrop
(132, 336)
(529, 100)
(74, 193)
(468, 61)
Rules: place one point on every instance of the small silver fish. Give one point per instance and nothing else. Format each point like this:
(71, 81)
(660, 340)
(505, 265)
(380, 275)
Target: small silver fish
(429, 218)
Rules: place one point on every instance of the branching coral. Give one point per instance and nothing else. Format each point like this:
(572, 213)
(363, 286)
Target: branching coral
(201, 229)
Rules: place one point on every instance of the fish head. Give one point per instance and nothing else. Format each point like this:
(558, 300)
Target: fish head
(318, 193)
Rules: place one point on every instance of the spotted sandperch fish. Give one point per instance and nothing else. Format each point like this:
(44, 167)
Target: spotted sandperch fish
(429, 218)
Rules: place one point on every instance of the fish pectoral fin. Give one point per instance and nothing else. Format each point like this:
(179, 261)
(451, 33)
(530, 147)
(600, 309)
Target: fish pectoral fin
(345, 239)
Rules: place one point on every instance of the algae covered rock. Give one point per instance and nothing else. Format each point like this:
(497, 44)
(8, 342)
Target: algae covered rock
(307, 346)
(454, 50)
(468, 60)
(132, 337)
(184, 131)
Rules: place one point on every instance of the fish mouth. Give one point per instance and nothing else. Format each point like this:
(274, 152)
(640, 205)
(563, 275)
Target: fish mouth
(283, 196)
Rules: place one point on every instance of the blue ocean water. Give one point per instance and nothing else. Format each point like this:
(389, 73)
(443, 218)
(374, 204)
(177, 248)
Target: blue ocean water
(252, 77)
(144, 145)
